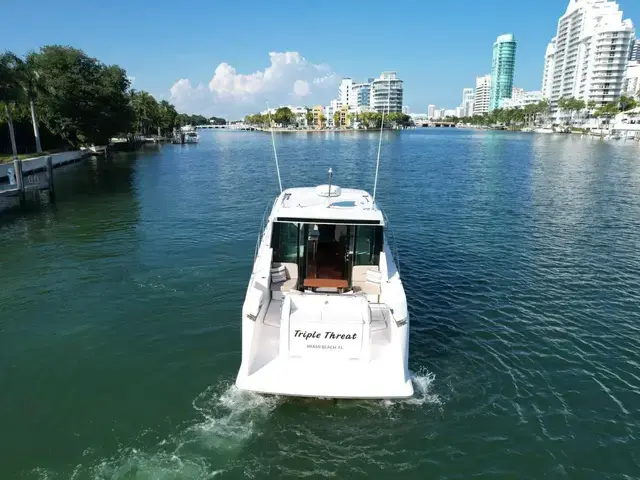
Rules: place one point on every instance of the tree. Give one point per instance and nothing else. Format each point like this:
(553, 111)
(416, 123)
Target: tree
(322, 119)
(309, 117)
(542, 109)
(371, 119)
(626, 103)
(29, 78)
(284, 116)
(146, 111)
(10, 90)
(336, 119)
(529, 113)
(394, 118)
(167, 116)
(606, 111)
(571, 105)
(88, 102)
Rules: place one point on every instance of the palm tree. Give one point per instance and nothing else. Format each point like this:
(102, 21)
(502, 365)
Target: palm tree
(626, 103)
(30, 80)
(10, 90)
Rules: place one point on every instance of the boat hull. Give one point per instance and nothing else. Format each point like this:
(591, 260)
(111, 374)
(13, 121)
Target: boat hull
(274, 362)
(304, 380)
(345, 337)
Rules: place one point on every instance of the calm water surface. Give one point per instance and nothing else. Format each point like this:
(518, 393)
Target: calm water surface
(120, 313)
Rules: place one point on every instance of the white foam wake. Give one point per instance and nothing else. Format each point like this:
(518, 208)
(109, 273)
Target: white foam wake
(228, 419)
(422, 390)
(422, 385)
(231, 417)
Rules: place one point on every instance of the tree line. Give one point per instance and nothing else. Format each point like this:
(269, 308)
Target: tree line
(538, 112)
(285, 117)
(59, 98)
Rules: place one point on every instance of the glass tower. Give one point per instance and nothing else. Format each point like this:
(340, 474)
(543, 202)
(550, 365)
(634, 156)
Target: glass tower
(502, 68)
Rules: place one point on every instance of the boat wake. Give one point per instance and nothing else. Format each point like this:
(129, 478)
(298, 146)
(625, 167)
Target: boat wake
(422, 386)
(228, 418)
(422, 391)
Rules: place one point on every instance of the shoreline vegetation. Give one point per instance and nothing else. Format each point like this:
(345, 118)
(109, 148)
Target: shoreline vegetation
(529, 118)
(59, 99)
(323, 130)
(283, 118)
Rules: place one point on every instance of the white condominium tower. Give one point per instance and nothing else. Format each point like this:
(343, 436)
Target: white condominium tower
(386, 88)
(362, 94)
(635, 51)
(467, 102)
(588, 57)
(345, 93)
(549, 67)
(482, 97)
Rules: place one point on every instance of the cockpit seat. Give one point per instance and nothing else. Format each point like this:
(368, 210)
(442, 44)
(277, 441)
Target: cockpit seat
(291, 282)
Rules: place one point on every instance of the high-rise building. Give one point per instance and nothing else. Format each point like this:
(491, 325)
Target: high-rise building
(635, 51)
(482, 96)
(521, 100)
(386, 93)
(442, 113)
(467, 102)
(590, 54)
(502, 69)
(405, 109)
(345, 93)
(431, 111)
(516, 93)
(632, 80)
(549, 68)
(362, 94)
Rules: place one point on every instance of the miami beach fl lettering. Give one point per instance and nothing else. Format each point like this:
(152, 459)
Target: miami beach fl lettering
(328, 335)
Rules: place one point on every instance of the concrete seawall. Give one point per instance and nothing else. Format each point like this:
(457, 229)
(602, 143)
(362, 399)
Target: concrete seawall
(40, 163)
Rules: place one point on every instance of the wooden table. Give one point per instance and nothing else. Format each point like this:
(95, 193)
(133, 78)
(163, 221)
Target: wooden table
(325, 283)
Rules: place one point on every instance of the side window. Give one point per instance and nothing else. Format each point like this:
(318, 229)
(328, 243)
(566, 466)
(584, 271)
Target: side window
(368, 244)
(284, 242)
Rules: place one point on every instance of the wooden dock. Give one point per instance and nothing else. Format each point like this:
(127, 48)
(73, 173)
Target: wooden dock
(20, 183)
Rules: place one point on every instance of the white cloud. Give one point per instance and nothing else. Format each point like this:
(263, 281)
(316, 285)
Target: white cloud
(180, 88)
(328, 79)
(289, 78)
(301, 88)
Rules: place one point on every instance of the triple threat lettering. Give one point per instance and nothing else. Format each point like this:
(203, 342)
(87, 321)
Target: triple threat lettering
(327, 335)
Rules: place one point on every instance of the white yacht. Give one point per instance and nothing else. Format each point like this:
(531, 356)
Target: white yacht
(325, 314)
(190, 134)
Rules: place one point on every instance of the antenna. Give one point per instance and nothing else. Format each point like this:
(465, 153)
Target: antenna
(375, 182)
(275, 153)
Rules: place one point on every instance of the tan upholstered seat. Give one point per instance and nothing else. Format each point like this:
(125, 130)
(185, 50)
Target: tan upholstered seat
(360, 284)
(291, 283)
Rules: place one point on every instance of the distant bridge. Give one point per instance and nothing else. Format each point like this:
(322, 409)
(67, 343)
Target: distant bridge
(234, 126)
(436, 124)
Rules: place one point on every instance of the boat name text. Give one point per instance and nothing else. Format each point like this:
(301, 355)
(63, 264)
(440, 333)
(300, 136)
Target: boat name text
(328, 335)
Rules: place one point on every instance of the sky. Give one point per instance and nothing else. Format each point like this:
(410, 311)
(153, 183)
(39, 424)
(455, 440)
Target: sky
(229, 58)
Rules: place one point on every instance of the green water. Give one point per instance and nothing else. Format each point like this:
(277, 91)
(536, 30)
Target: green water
(120, 313)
